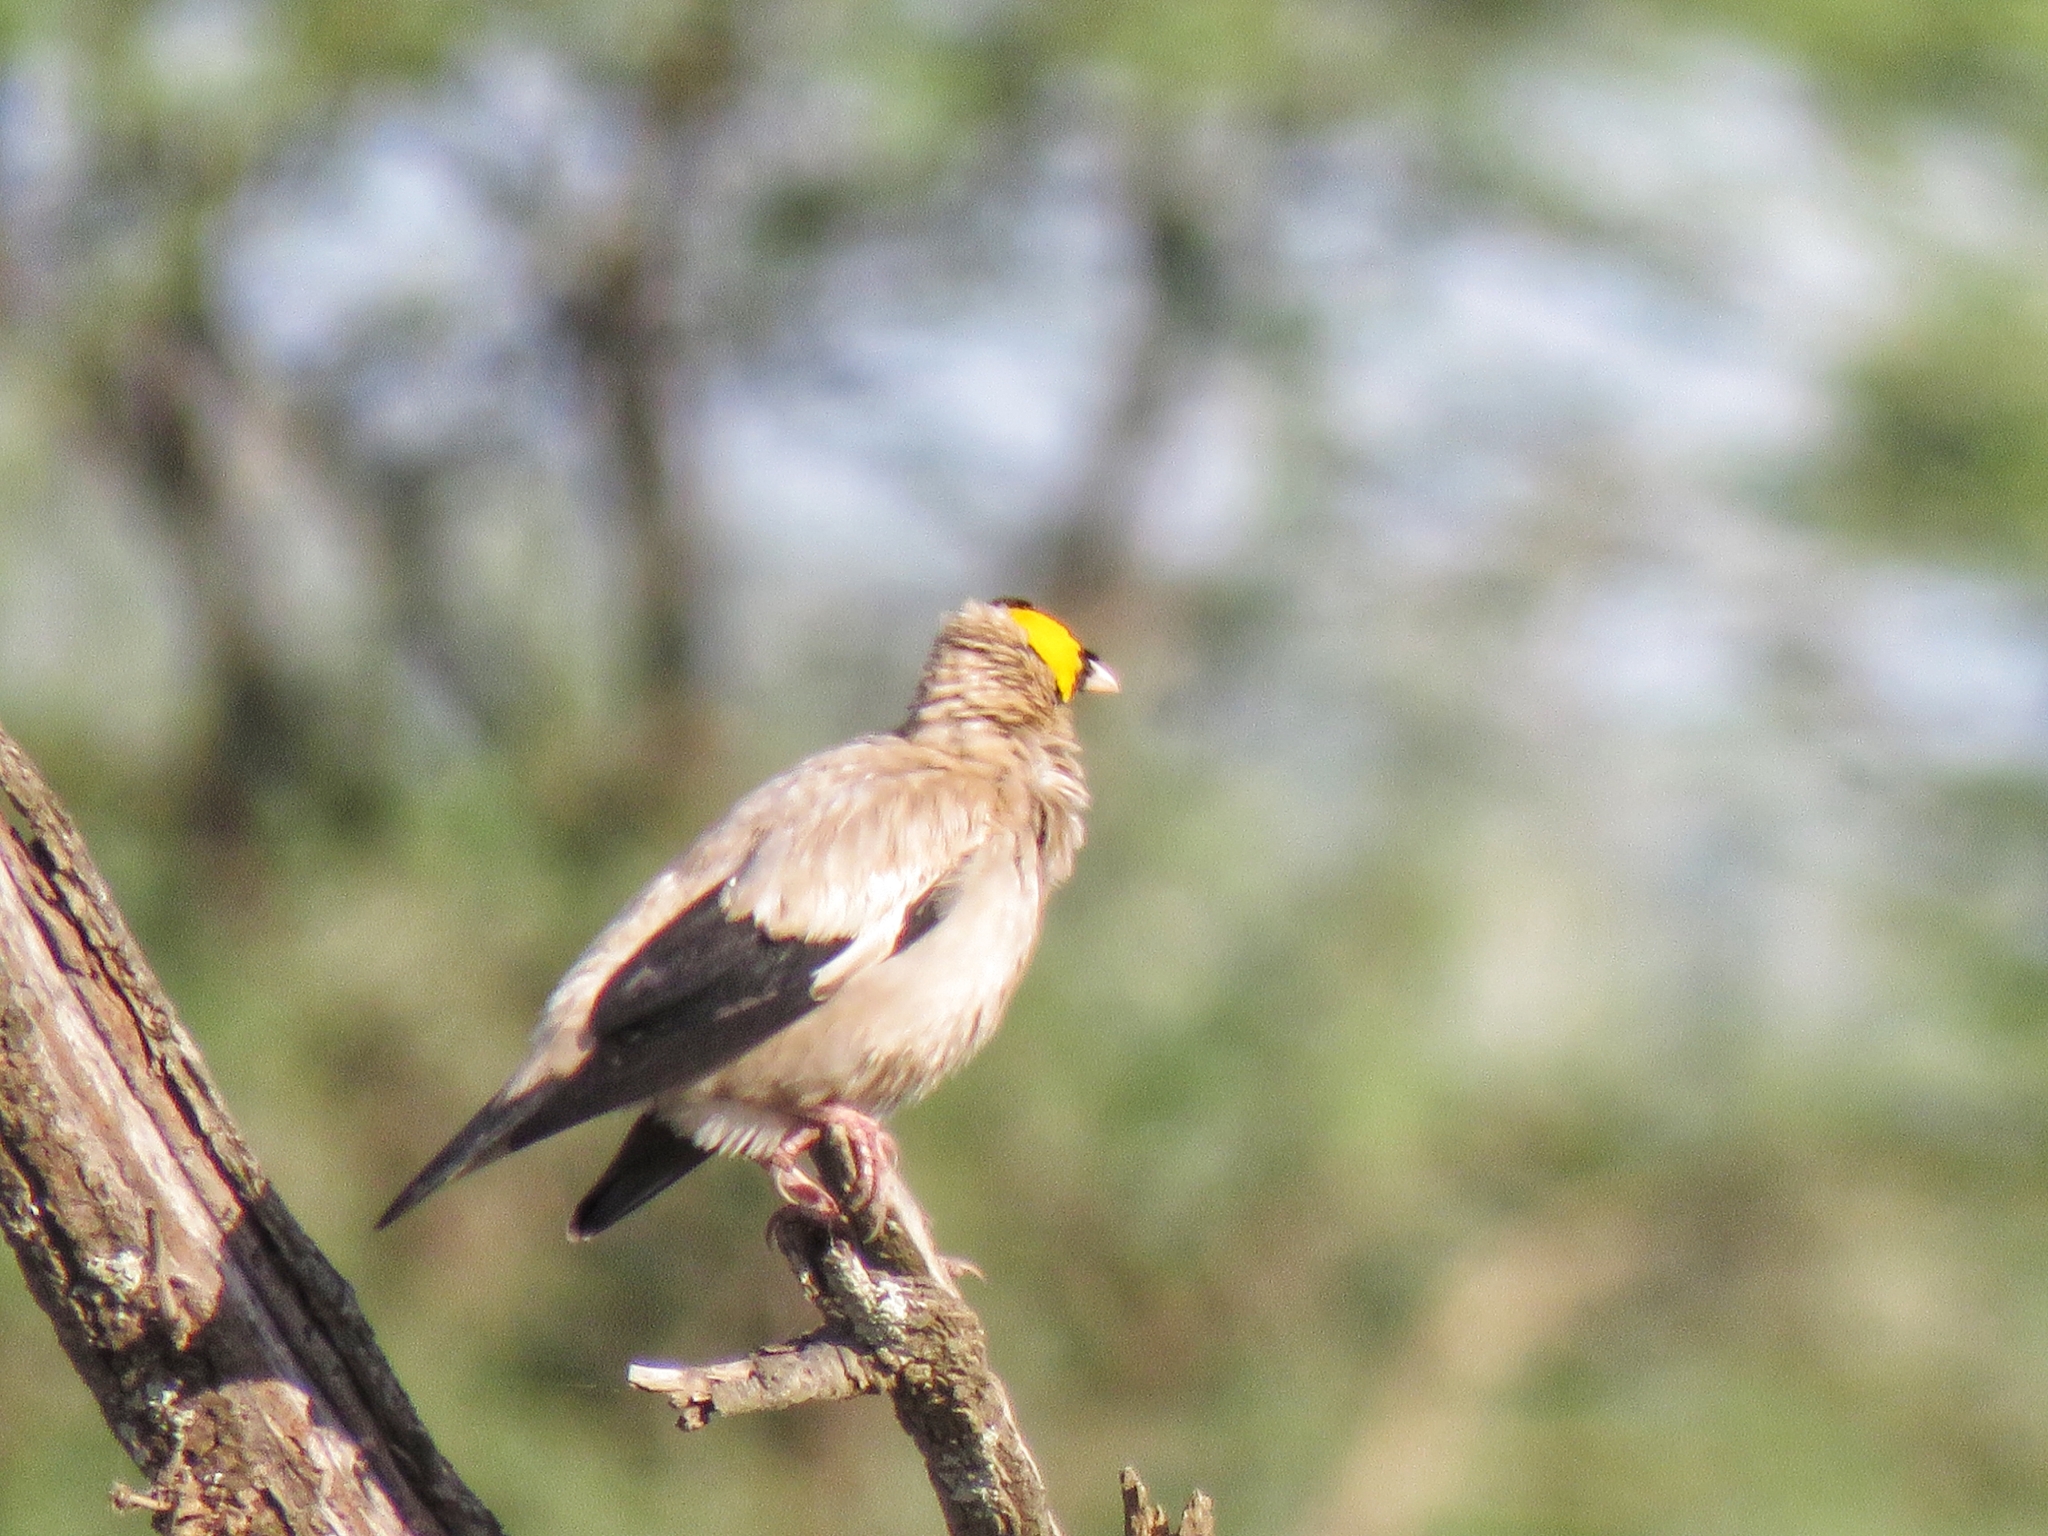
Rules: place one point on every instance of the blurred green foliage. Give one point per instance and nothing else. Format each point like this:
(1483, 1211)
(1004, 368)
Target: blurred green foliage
(1952, 450)
(1546, 1036)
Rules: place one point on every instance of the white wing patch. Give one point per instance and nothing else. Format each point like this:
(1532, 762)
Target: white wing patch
(851, 849)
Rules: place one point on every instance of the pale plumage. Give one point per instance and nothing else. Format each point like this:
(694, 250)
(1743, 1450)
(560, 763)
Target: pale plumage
(844, 938)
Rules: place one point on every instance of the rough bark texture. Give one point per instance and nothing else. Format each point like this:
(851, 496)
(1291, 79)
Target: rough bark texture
(229, 1358)
(1144, 1518)
(895, 1322)
(817, 1369)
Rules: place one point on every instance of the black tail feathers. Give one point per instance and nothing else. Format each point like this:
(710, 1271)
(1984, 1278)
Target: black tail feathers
(652, 1157)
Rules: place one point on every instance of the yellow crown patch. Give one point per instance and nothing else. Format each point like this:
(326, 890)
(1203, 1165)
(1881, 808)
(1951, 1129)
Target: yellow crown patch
(1054, 642)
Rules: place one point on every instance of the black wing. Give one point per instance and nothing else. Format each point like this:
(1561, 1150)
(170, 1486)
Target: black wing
(926, 913)
(703, 991)
(654, 1154)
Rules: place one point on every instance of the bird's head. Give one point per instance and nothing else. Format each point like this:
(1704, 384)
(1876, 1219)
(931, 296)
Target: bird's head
(1007, 662)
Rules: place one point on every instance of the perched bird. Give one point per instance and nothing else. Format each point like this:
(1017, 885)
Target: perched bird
(843, 939)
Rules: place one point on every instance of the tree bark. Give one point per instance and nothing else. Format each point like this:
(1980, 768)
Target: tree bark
(896, 1323)
(228, 1357)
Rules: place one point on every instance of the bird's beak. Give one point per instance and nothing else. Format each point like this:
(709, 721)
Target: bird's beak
(1096, 678)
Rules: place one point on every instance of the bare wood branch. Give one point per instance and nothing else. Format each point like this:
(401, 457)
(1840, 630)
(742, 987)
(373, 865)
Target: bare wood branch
(1144, 1518)
(228, 1357)
(896, 1322)
(813, 1370)
(889, 1298)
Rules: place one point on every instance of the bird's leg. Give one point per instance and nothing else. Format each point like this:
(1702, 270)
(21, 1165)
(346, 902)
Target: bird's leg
(872, 1147)
(875, 1190)
(792, 1183)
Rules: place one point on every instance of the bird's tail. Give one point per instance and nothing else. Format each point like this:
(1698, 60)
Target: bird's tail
(492, 1132)
(653, 1156)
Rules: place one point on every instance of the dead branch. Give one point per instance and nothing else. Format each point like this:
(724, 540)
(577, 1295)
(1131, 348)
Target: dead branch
(1144, 1518)
(896, 1322)
(817, 1369)
(228, 1357)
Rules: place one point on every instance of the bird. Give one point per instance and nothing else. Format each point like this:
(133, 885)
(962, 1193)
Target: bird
(845, 937)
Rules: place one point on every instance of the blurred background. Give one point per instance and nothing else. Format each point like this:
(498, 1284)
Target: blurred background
(1548, 1032)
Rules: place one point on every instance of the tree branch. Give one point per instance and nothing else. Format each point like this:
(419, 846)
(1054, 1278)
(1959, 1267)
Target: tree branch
(228, 1357)
(896, 1322)
(1144, 1518)
(816, 1369)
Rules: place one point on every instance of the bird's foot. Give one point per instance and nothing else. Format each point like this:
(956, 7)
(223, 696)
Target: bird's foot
(869, 1144)
(797, 1187)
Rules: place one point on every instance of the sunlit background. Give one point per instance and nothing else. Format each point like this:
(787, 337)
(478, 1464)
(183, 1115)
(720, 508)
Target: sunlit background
(1548, 1033)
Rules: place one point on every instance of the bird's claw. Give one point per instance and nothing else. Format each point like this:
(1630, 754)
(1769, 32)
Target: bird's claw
(798, 1188)
(869, 1147)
